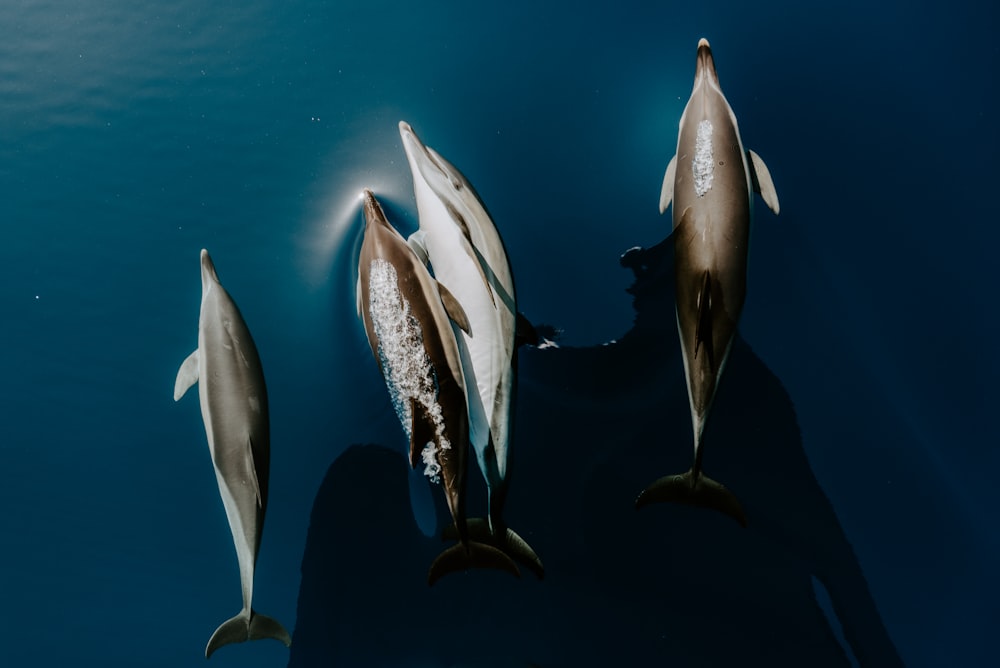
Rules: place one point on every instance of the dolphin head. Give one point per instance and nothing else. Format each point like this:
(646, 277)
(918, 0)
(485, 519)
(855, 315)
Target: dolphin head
(432, 168)
(208, 275)
(705, 65)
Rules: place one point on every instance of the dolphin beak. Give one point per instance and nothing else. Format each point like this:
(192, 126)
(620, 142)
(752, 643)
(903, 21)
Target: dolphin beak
(207, 269)
(412, 145)
(705, 63)
(373, 210)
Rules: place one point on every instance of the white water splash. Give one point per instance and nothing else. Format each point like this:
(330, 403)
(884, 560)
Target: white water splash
(408, 372)
(703, 165)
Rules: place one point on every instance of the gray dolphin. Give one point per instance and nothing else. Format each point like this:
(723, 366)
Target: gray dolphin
(234, 409)
(710, 181)
(464, 247)
(407, 316)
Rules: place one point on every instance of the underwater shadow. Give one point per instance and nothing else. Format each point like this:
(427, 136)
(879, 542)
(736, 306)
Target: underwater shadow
(667, 583)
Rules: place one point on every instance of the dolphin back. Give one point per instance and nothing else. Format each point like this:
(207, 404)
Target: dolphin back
(242, 628)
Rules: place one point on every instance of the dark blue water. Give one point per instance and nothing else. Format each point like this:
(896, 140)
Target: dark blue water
(855, 419)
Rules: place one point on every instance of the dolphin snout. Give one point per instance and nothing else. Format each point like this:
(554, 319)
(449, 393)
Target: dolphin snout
(373, 210)
(705, 63)
(207, 268)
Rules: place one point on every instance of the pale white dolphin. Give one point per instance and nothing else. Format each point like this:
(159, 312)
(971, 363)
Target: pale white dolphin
(711, 181)
(234, 409)
(460, 240)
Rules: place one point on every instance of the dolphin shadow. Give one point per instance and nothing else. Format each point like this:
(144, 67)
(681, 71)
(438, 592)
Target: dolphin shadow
(624, 587)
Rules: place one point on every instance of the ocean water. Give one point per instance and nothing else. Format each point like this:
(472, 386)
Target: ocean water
(855, 419)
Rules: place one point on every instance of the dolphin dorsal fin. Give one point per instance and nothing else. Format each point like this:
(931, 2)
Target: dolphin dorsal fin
(187, 375)
(667, 191)
(703, 333)
(254, 481)
(469, 247)
(762, 183)
(454, 309)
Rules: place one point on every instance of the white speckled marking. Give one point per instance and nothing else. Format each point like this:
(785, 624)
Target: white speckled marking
(432, 469)
(703, 165)
(408, 372)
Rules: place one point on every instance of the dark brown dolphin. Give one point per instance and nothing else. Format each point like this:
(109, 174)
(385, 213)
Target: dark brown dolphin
(711, 181)
(408, 319)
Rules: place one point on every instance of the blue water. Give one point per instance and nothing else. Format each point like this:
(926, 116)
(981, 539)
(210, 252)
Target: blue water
(855, 419)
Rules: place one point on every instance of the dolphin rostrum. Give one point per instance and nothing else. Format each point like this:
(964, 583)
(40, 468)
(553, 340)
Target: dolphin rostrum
(234, 410)
(710, 181)
(464, 248)
(408, 320)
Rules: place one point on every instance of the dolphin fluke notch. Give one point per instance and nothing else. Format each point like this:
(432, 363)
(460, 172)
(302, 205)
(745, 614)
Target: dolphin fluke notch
(469, 555)
(505, 539)
(693, 490)
(242, 628)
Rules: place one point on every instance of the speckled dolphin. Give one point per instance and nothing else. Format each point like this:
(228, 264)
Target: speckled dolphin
(407, 317)
(234, 410)
(464, 248)
(710, 181)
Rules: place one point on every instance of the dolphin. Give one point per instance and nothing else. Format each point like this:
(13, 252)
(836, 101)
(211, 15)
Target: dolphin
(407, 317)
(234, 409)
(458, 237)
(710, 181)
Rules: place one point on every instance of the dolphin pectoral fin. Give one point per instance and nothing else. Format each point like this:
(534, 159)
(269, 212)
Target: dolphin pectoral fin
(262, 626)
(242, 628)
(692, 490)
(421, 432)
(357, 289)
(667, 191)
(762, 183)
(505, 540)
(524, 332)
(703, 332)
(187, 375)
(418, 244)
(473, 554)
(454, 309)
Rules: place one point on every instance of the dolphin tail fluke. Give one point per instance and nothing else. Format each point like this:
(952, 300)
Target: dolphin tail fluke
(472, 554)
(693, 490)
(242, 628)
(520, 551)
(262, 626)
(504, 539)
